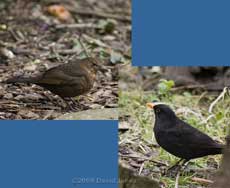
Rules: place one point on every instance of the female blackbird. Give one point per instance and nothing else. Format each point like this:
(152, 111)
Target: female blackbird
(67, 80)
(178, 137)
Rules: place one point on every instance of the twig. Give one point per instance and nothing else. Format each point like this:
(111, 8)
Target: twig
(181, 169)
(48, 114)
(202, 180)
(188, 87)
(14, 35)
(141, 168)
(200, 97)
(186, 110)
(83, 47)
(222, 94)
(84, 12)
(206, 120)
(177, 179)
(91, 40)
(68, 51)
(6, 44)
(78, 26)
(144, 158)
(142, 148)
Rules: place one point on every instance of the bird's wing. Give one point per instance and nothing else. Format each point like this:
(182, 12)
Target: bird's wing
(58, 77)
(195, 138)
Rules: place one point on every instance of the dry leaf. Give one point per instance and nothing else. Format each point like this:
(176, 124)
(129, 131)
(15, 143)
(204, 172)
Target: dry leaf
(60, 12)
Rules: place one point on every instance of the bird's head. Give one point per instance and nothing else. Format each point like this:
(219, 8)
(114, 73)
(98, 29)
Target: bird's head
(95, 61)
(161, 110)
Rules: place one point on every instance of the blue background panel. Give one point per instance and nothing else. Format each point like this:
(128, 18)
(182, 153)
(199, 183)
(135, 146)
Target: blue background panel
(181, 33)
(58, 154)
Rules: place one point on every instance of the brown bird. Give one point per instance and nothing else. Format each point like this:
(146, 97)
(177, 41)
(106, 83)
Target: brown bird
(67, 80)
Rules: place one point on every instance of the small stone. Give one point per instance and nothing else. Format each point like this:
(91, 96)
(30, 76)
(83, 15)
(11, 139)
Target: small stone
(32, 115)
(95, 106)
(6, 53)
(8, 96)
(28, 114)
(29, 97)
(92, 114)
(19, 97)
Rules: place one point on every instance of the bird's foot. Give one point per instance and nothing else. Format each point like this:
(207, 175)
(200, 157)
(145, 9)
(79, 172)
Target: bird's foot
(73, 105)
(173, 170)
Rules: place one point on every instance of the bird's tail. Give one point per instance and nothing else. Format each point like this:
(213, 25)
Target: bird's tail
(20, 80)
(219, 149)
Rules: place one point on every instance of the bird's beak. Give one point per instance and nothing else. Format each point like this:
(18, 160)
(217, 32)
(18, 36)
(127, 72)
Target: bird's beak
(150, 105)
(153, 104)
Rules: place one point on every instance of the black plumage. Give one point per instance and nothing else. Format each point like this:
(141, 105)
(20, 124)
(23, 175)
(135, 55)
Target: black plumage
(179, 138)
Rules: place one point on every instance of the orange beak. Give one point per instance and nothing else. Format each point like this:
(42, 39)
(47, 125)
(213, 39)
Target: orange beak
(150, 105)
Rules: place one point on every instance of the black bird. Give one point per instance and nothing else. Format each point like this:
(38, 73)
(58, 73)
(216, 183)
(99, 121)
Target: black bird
(179, 138)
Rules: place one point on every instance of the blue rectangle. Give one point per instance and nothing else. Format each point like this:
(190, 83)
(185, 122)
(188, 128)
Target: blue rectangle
(181, 33)
(58, 154)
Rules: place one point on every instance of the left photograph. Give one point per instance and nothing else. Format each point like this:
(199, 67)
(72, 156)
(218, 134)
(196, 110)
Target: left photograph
(61, 60)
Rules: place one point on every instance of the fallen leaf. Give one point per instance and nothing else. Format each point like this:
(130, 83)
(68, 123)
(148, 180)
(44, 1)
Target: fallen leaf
(124, 126)
(60, 12)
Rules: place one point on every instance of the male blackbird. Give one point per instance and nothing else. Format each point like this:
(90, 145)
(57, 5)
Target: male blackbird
(66, 80)
(180, 138)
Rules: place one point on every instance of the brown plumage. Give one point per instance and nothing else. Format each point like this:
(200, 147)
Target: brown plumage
(67, 80)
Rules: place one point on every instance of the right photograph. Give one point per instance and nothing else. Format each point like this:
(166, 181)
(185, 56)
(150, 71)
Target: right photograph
(173, 124)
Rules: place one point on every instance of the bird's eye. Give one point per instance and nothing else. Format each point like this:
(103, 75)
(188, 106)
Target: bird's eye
(158, 110)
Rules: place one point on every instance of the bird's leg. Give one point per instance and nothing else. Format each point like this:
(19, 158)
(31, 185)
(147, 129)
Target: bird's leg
(175, 165)
(180, 169)
(177, 179)
(61, 102)
(73, 106)
(184, 164)
(73, 101)
(68, 106)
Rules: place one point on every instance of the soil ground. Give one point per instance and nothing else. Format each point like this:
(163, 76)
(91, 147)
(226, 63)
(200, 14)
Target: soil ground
(32, 40)
(138, 148)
